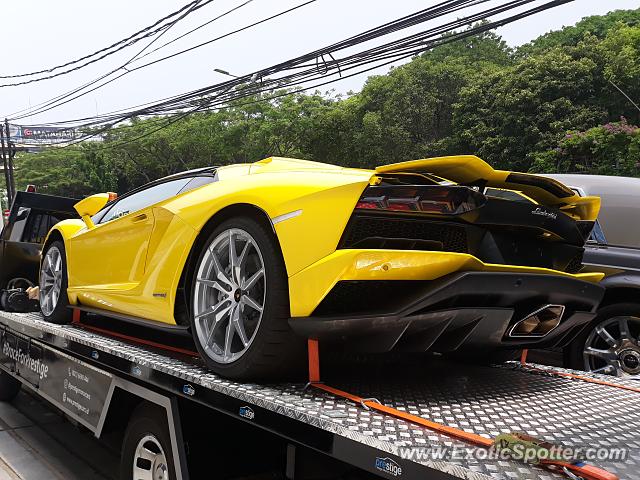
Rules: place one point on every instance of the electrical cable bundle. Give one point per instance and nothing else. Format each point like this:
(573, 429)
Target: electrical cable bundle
(126, 69)
(150, 31)
(322, 66)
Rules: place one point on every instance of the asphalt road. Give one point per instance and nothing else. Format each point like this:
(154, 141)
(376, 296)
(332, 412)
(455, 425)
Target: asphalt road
(39, 443)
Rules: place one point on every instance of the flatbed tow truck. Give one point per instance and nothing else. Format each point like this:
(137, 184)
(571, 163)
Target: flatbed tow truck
(221, 428)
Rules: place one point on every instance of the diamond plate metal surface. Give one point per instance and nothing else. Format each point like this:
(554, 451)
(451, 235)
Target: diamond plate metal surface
(484, 400)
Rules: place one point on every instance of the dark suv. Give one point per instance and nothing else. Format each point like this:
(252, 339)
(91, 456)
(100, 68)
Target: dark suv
(611, 342)
(30, 218)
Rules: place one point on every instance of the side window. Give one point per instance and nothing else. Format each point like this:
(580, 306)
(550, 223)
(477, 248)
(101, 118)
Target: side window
(196, 182)
(144, 198)
(19, 224)
(38, 227)
(597, 235)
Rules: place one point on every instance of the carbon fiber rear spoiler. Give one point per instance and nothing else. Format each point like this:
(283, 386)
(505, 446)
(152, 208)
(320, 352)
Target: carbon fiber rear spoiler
(473, 171)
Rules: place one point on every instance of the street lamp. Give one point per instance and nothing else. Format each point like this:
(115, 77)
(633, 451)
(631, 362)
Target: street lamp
(224, 72)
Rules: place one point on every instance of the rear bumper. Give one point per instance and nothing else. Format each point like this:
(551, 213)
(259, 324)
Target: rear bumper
(462, 310)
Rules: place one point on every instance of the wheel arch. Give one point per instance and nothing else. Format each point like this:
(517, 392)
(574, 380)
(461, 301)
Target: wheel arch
(62, 231)
(53, 235)
(620, 294)
(621, 288)
(181, 306)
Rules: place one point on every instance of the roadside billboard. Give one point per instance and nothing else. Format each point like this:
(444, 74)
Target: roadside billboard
(26, 134)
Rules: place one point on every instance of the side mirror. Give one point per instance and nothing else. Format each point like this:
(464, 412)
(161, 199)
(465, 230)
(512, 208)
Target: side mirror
(23, 213)
(91, 205)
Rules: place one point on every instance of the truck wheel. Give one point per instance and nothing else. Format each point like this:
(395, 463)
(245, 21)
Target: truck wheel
(146, 450)
(610, 344)
(9, 387)
(240, 303)
(54, 301)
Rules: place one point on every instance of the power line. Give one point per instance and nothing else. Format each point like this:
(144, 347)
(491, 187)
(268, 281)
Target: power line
(246, 2)
(433, 12)
(625, 95)
(107, 51)
(30, 112)
(68, 97)
(357, 63)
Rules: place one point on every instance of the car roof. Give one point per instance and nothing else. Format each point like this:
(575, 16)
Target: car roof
(620, 204)
(186, 174)
(599, 184)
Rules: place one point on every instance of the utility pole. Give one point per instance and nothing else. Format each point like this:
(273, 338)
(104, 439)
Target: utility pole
(6, 168)
(10, 154)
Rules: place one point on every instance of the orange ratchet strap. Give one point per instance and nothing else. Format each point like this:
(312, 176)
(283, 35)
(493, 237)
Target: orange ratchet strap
(374, 405)
(75, 320)
(582, 470)
(523, 363)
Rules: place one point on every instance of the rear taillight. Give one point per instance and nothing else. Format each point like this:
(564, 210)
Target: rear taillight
(442, 200)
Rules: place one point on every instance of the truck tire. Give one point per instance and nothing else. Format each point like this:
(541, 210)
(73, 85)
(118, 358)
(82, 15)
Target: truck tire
(54, 301)
(146, 449)
(240, 304)
(9, 387)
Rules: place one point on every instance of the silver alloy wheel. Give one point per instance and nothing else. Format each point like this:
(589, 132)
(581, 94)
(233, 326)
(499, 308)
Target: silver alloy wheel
(229, 295)
(613, 347)
(149, 460)
(50, 280)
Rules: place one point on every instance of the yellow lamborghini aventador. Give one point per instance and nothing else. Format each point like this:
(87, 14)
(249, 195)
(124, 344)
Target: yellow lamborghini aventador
(440, 255)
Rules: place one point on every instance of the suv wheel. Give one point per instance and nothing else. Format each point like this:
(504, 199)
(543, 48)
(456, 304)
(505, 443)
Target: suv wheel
(611, 343)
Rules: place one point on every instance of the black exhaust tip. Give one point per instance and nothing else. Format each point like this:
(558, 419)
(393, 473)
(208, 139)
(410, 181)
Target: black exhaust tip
(538, 323)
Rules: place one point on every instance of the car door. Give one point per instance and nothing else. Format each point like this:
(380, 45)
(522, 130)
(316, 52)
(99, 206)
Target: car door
(112, 255)
(22, 243)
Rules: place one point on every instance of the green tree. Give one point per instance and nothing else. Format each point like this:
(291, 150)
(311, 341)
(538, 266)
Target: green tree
(508, 115)
(476, 95)
(596, 25)
(71, 172)
(407, 113)
(610, 149)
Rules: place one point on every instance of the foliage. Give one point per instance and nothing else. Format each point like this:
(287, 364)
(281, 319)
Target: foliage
(516, 111)
(597, 25)
(610, 149)
(72, 172)
(407, 113)
(551, 105)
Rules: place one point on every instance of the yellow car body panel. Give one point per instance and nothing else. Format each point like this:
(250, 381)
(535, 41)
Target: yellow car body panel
(311, 285)
(133, 264)
(326, 205)
(137, 275)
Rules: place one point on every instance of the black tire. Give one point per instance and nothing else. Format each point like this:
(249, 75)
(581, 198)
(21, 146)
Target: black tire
(275, 352)
(61, 314)
(573, 353)
(146, 420)
(9, 387)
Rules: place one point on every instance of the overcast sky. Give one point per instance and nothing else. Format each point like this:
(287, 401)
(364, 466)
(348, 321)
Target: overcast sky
(42, 33)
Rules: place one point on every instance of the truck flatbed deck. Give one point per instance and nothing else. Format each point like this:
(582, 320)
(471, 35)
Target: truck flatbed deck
(79, 371)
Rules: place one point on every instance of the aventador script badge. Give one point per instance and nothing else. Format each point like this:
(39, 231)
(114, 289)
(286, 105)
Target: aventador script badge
(544, 213)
